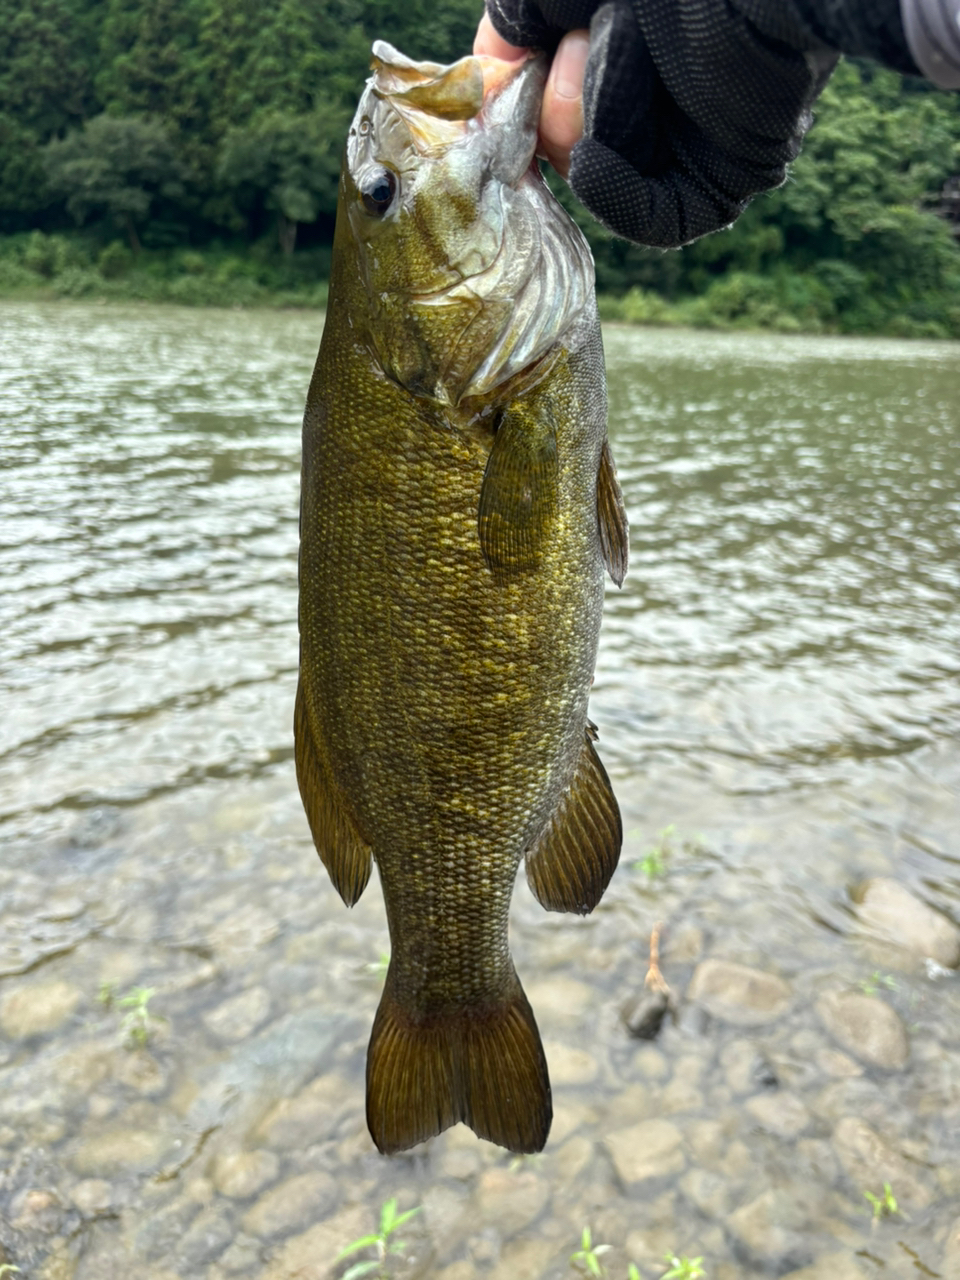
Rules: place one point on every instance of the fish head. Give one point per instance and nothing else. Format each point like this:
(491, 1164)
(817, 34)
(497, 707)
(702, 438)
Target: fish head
(445, 212)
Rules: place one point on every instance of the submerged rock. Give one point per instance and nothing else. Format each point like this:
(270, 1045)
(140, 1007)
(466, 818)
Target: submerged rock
(888, 909)
(738, 994)
(869, 1162)
(240, 1174)
(834, 1266)
(867, 1027)
(651, 1149)
(292, 1205)
(772, 1230)
(37, 1009)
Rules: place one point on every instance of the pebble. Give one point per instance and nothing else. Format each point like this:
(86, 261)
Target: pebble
(869, 1162)
(779, 1112)
(240, 1174)
(834, 1266)
(92, 1195)
(560, 999)
(510, 1201)
(745, 1068)
(307, 1117)
(708, 1192)
(570, 1066)
(291, 1205)
(651, 1149)
(738, 994)
(37, 1009)
(773, 1230)
(206, 1238)
(888, 909)
(120, 1151)
(237, 1018)
(312, 1255)
(242, 1255)
(526, 1258)
(867, 1027)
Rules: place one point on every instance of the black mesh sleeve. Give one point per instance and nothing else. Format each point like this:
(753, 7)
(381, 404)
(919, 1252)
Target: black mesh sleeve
(691, 107)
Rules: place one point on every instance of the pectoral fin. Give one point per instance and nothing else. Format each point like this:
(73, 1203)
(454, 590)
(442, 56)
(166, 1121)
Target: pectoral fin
(570, 866)
(342, 850)
(518, 500)
(612, 518)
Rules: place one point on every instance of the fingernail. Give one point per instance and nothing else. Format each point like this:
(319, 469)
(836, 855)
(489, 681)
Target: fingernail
(569, 63)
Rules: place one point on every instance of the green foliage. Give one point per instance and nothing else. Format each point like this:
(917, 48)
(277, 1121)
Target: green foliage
(380, 1241)
(587, 1257)
(119, 167)
(883, 1206)
(682, 1268)
(138, 1024)
(286, 164)
(870, 986)
(181, 123)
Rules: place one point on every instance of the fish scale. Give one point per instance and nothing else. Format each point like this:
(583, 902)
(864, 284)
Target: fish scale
(451, 584)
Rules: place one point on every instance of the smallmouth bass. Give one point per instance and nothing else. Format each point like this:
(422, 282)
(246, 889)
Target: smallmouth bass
(458, 504)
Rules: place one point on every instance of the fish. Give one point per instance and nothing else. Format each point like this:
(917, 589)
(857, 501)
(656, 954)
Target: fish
(459, 502)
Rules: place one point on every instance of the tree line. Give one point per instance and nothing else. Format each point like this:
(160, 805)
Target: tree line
(175, 124)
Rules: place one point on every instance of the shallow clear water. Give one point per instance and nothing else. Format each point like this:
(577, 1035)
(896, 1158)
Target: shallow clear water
(778, 681)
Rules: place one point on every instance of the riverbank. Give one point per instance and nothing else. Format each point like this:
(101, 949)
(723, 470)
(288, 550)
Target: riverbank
(38, 267)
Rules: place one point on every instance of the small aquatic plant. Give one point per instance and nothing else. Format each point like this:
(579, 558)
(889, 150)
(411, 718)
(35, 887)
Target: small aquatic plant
(587, 1257)
(138, 1024)
(8, 1269)
(654, 862)
(870, 986)
(682, 1267)
(884, 1206)
(390, 1221)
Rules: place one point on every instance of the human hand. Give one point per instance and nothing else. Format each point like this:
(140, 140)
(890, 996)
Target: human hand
(689, 107)
(561, 115)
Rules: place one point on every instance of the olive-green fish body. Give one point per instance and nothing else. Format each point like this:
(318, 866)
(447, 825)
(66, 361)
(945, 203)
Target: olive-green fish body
(458, 503)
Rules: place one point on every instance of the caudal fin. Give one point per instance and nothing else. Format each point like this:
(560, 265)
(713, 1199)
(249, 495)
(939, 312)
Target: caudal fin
(484, 1066)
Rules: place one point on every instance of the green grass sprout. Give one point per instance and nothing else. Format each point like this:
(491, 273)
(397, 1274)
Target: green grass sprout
(390, 1221)
(587, 1257)
(884, 1206)
(682, 1268)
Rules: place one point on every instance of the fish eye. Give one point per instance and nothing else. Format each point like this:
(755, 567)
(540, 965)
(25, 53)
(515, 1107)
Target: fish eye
(377, 191)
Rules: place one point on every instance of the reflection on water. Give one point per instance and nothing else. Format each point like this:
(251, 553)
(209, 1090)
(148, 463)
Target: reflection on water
(778, 680)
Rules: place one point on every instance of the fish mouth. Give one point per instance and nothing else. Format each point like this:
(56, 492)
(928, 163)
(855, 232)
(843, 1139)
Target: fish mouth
(437, 101)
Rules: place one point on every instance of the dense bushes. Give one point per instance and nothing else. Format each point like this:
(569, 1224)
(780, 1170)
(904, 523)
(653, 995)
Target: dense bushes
(134, 133)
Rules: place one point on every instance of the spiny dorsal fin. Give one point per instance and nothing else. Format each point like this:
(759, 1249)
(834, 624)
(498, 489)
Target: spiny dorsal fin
(612, 518)
(483, 1066)
(518, 499)
(345, 855)
(570, 866)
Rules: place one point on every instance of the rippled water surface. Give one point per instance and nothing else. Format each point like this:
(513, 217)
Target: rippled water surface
(778, 696)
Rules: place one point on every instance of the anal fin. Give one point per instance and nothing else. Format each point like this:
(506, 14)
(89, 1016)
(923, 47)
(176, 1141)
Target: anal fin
(483, 1066)
(612, 518)
(342, 850)
(571, 863)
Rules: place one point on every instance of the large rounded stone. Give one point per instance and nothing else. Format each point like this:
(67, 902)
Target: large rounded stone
(291, 1205)
(738, 994)
(867, 1027)
(888, 909)
(37, 1009)
(779, 1112)
(511, 1202)
(238, 1017)
(313, 1254)
(239, 1174)
(773, 1230)
(652, 1149)
(869, 1162)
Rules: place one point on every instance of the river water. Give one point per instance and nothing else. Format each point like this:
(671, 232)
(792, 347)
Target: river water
(184, 1000)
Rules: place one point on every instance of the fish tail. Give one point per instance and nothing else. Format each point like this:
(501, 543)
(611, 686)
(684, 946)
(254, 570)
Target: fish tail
(483, 1066)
